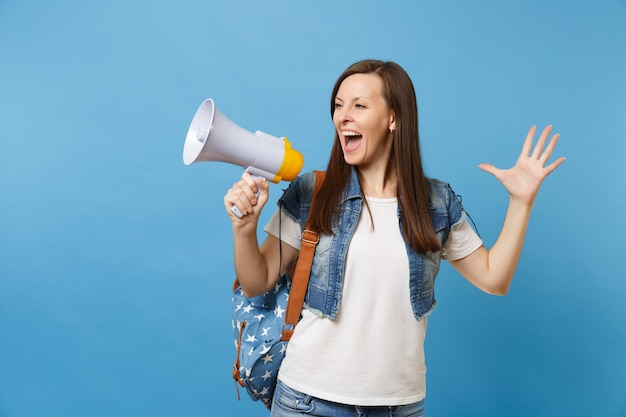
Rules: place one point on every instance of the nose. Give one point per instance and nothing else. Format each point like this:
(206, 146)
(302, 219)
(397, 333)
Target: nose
(342, 114)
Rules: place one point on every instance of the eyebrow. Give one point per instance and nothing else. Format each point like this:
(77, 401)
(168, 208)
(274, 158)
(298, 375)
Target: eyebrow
(354, 99)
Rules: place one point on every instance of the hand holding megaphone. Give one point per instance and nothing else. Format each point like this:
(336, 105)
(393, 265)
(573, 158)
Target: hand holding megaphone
(212, 137)
(246, 194)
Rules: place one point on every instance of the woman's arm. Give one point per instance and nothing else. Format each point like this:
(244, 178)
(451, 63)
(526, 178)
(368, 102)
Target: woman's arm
(492, 270)
(257, 268)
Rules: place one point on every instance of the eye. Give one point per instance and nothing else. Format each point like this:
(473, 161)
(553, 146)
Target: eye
(360, 106)
(337, 105)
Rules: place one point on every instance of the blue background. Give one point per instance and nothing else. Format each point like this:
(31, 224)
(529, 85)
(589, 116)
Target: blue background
(116, 258)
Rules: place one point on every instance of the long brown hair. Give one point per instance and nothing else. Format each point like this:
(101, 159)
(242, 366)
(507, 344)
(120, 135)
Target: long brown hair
(405, 157)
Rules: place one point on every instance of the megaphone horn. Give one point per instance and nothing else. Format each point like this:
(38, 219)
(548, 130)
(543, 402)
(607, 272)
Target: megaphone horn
(213, 137)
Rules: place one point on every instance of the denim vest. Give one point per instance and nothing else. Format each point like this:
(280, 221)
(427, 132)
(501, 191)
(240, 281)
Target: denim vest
(327, 272)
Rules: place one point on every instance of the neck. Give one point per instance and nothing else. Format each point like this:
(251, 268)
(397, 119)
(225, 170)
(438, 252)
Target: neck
(378, 183)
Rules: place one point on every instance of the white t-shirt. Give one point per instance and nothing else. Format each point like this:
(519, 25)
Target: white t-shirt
(373, 352)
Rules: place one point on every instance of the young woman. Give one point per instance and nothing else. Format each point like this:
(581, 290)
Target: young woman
(385, 226)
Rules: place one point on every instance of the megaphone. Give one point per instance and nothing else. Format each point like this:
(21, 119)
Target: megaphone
(213, 137)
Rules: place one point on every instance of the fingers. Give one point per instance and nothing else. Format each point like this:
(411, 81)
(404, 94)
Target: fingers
(536, 156)
(244, 194)
(541, 143)
(543, 153)
(554, 165)
(528, 143)
(548, 151)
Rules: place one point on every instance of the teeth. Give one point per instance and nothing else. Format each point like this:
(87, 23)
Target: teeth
(350, 133)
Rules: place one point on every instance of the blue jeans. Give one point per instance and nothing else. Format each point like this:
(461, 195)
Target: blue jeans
(288, 402)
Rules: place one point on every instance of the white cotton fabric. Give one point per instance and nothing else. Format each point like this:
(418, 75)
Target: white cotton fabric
(373, 352)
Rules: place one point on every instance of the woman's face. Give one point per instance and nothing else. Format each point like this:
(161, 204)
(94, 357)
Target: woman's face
(363, 120)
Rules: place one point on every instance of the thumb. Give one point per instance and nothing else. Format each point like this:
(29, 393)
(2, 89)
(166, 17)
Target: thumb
(488, 168)
(263, 184)
(264, 187)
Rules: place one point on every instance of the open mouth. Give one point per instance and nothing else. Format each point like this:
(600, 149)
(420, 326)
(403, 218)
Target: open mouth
(352, 139)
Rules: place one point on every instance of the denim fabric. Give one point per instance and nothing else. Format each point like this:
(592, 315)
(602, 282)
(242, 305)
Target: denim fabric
(289, 403)
(326, 281)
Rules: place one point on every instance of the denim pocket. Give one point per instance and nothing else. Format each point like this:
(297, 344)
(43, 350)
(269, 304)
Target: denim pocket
(289, 399)
(410, 410)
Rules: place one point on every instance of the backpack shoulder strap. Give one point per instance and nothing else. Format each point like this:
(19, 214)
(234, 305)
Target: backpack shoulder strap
(300, 280)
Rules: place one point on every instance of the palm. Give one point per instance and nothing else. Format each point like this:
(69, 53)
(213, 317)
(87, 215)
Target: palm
(523, 180)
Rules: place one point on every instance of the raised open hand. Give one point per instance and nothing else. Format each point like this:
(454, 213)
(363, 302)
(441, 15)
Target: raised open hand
(524, 179)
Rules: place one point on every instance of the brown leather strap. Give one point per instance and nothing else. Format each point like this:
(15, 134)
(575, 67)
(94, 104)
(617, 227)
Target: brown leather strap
(300, 280)
(236, 365)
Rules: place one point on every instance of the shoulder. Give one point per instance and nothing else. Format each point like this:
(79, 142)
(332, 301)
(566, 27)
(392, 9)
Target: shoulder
(440, 192)
(301, 187)
(443, 198)
(435, 183)
(297, 196)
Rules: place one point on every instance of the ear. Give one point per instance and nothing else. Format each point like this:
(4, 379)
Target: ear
(392, 122)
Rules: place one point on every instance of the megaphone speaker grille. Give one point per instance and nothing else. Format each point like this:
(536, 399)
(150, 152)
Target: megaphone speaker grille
(199, 131)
